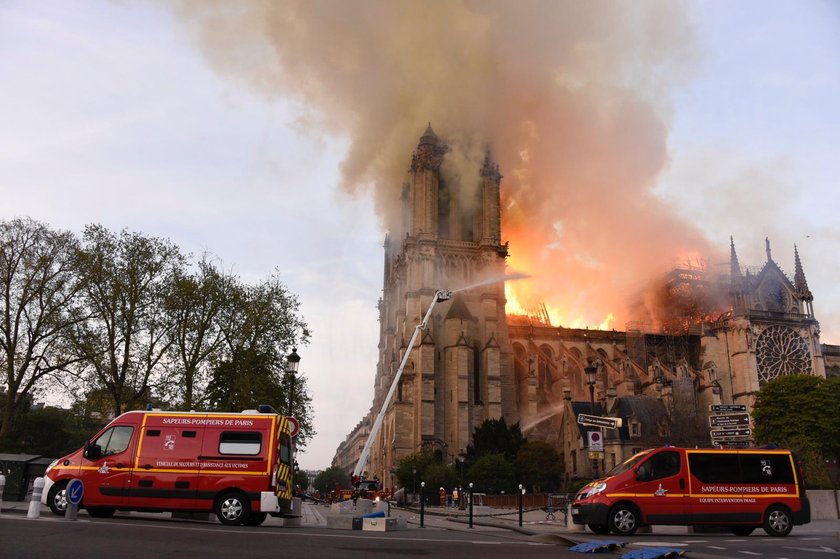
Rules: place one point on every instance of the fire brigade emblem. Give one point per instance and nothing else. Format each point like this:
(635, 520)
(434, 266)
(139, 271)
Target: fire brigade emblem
(104, 469)
(661, 491)
(169, 444)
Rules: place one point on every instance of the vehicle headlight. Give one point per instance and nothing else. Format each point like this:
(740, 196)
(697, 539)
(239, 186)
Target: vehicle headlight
(51, 466)
(594, 490)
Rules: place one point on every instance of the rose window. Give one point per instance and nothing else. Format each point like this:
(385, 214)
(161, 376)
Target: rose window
(780, 350)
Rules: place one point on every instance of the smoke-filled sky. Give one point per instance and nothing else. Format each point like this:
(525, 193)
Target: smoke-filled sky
(631, 136)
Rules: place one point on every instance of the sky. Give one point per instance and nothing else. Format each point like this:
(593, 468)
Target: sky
(275, 135)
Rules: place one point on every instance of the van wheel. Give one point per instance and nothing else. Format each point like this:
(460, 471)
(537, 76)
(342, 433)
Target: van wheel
(599, 528)
(624, 520)
(101, 512)
(57, 498)
(256, 519)
(777, 521)
(742, 530)
(233, 508)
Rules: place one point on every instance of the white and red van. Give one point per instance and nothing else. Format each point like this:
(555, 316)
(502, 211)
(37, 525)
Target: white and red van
(237, 465)
(740, 489)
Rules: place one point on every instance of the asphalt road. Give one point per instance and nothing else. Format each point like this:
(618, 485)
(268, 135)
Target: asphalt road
(151, 536)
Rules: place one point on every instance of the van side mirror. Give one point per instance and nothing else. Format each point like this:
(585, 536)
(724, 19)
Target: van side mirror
(92, 451)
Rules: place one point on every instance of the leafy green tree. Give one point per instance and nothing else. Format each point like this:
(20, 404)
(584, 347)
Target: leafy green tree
(539, 466)
(123, 343)
(195, 303)
(327, 480)
(440, 475)
(411, 470)
(494, 436)
(492, 474)
(301, 480)
(800, 412)
(40, 303)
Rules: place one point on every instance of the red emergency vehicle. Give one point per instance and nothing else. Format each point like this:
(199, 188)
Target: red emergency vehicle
(739, 489)
(238, 465)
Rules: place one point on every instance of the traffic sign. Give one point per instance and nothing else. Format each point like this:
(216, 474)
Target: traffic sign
(730, 433)
(727, 407)
(596, 441)
(294, 424)
(729, 420)
(598, 421)
(74, 491)
(742, 443)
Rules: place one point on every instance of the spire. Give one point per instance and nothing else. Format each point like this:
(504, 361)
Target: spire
(767, 247)
(800, 283)
(429, 136)
(734, 265)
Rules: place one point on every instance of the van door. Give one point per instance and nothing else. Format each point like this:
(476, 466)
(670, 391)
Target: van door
(661, 489)
(106, 467)
(166, 474)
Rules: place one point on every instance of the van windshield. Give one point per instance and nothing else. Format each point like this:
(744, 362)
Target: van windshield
(628, 464)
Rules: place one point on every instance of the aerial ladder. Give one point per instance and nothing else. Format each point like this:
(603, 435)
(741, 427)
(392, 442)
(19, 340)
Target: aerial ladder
(440, 295)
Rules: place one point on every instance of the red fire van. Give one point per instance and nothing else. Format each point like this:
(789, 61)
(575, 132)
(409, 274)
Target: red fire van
(235, 464)
(742, 489)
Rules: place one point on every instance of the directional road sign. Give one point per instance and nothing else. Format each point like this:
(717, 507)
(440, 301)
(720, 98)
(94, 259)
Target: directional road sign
(74, 491)
(727, 407)
(742, 443)
(729, 420)
(730, 433)
(598, 421)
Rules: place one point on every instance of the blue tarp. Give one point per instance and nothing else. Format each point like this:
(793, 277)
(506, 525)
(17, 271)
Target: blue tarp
(380, 514)
(597, 547)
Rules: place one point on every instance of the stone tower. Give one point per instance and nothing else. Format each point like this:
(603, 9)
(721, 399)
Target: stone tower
(770, 330)
(458, 373)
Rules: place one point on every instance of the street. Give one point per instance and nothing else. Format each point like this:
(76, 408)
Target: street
(157, 535)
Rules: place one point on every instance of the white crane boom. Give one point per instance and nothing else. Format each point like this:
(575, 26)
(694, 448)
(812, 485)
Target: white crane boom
(440, 295)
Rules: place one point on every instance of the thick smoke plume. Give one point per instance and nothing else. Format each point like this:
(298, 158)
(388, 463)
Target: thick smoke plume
(570, 96)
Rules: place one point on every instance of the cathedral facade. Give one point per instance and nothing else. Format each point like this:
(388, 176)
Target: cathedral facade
(474, 363)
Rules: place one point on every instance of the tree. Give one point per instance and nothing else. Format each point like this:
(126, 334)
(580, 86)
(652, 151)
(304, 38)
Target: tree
(411, 470)
(329, 478)
(800, 412)
(539, 466)
(260, 325)
(492, 474)
(495, 437)
(39, 306)
(194, 304)
(440, 475)
(126, 278)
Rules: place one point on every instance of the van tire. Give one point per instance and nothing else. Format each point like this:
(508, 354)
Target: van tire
(742, 531)
(256, 519)
(233, 508)
(777, 521)
(57, 498)
(624, 519)
(601, 529)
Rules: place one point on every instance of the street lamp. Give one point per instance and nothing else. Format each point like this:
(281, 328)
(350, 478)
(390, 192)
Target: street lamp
(413, 482)
(591, 371)
(292, 362)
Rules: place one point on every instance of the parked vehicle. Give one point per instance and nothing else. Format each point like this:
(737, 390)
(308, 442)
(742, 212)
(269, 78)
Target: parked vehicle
(236, 465)
(741, 489)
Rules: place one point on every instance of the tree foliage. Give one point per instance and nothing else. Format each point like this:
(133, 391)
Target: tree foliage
(411, 470)
(494, 436)
(492, 474)
(329, 478)
(126, 278)
(539, 467)
(800, 412)
(38, 307)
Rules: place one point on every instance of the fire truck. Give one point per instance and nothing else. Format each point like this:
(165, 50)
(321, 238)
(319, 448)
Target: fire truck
(238, 465)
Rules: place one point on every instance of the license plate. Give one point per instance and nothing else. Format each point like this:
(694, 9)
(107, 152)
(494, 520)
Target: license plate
(575, 510)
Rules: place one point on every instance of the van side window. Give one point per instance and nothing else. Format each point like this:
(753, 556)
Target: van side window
(115, 439)
(766, 468)
(285, 447)
(714, 467)
(240, 442)
(664, 464)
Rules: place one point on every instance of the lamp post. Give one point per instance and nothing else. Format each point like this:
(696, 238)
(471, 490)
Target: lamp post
(292, 363)
(521, 497)
(471, 505)
(591, 371)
